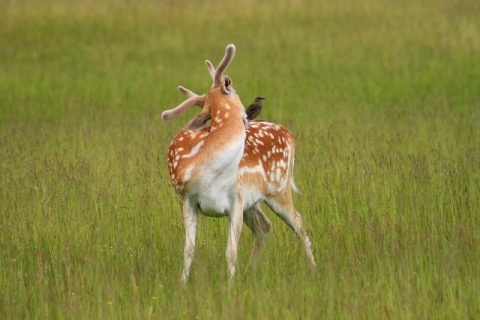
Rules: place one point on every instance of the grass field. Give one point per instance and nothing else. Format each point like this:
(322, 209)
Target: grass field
(384, 100)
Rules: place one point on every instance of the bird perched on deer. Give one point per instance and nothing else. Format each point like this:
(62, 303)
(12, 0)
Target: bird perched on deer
(254, 109)
(230, 166)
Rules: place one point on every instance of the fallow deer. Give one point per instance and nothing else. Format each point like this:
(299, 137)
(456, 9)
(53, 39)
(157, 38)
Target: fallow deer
(228, 167)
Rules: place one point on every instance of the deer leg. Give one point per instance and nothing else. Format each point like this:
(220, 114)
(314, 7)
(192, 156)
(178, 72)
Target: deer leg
(256, 220)
(283, 207)
(234, 231)
(190, 218)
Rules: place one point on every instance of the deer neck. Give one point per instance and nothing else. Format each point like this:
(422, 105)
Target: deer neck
(227, 114)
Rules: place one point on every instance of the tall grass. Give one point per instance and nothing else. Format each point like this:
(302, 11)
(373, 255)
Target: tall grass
(383, 98)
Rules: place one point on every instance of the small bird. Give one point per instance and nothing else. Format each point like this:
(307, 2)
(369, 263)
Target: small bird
(254, 109)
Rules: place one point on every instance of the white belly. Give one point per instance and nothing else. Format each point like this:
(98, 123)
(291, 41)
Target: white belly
(251, 197)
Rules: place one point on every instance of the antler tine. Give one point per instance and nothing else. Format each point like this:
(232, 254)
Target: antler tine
(211, 68)
(185, 105)
(187, 92)
(227, 59)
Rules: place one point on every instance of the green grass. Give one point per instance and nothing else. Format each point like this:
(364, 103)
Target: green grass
(384, 100)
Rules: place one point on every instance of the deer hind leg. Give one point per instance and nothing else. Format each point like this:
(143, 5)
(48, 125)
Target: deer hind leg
(283, 207)
(256, 220)
(190, 218)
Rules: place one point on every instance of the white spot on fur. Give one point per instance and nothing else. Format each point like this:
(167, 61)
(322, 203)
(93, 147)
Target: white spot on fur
(195, 150)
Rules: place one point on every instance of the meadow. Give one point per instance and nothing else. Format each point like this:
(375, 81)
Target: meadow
(382, 96)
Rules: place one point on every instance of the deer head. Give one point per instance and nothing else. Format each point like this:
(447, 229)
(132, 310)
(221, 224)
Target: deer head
(219, 81)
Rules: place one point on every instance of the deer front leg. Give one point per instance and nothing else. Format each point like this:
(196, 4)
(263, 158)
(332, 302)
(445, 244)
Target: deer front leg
(190, 218)
(234, 231)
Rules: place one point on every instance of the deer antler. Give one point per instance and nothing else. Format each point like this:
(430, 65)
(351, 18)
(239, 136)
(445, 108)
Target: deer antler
(200, 120)
(187, 92)
(182, 107)
(211, 68)
(213, 73)
(219, 80)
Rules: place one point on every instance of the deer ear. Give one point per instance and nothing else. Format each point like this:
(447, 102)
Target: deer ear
(198, 122)
(227, 85)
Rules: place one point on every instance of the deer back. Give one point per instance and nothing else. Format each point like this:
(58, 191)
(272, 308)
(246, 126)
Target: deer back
(268, 159)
